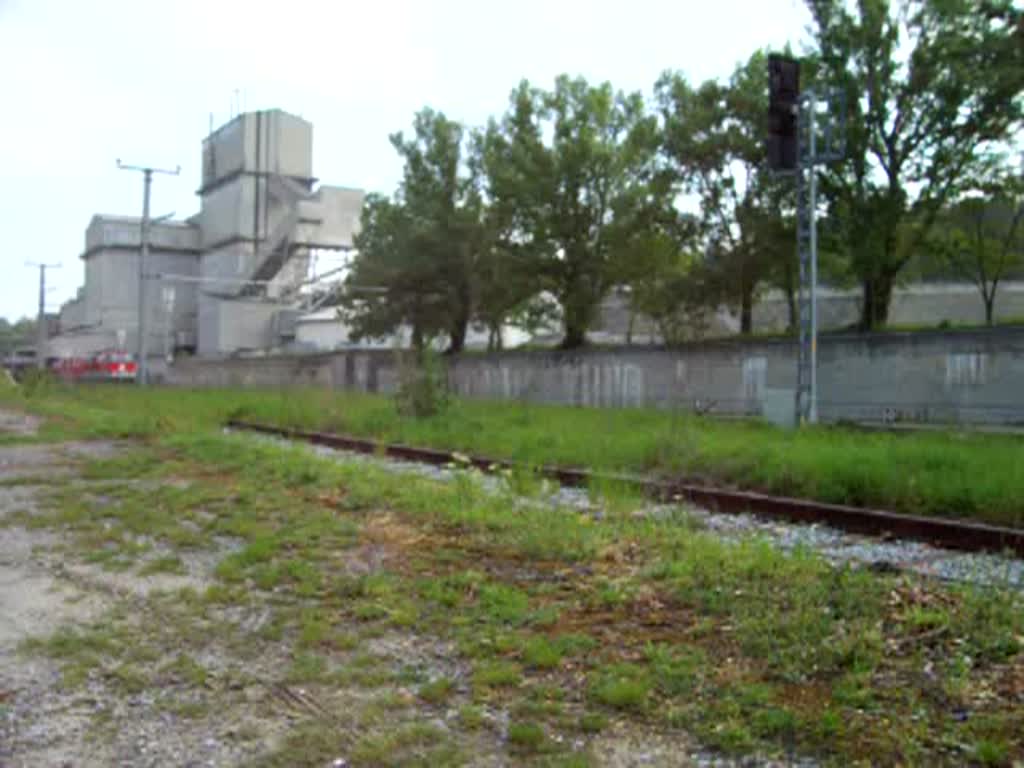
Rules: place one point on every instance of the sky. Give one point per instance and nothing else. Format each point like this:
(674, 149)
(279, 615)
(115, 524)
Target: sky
(86, 83)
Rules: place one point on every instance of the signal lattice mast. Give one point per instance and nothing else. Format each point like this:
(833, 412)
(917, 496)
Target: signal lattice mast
(805, 129)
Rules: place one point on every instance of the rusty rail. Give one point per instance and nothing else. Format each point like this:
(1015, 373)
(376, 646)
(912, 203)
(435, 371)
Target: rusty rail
(949, 533)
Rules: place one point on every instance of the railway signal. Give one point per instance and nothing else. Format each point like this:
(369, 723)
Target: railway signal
(783, 105)
(805, 129)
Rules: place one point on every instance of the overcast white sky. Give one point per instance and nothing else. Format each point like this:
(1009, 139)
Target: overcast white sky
(87, 81)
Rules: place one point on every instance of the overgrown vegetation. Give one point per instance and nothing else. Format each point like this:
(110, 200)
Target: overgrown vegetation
(950, 474)
(422, 384)
(566, 624)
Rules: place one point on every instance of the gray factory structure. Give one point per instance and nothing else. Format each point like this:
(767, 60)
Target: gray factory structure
(227, 279)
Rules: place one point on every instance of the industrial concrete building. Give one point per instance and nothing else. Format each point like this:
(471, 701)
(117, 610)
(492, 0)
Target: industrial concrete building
(227, 279)
(104, 314)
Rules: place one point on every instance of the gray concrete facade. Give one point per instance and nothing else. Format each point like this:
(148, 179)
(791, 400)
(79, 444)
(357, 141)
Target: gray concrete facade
(260, 218)
(966, 377)
(104, 315)
(218, 278)
(235, 324)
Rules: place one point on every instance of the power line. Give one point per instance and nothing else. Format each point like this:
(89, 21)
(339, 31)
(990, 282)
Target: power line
(41, 330)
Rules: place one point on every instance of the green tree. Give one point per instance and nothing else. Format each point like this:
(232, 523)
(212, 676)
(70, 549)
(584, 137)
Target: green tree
(507, 282)
(673, 287)
(20, 333)
(422, 247)
(389, 286)
(714, 135)
(578, 167)
(984, 236)
(930, 87)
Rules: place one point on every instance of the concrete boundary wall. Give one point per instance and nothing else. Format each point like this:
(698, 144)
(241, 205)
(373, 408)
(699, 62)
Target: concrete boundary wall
(971, 377)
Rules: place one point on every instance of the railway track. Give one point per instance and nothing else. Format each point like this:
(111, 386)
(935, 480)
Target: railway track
(948, 533)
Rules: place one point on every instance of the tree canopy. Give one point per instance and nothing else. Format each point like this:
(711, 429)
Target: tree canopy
(932, 89)
(580, 165)
(19, 333)
(416, 254)
(981, 236)
(714, 137)
(582, 189)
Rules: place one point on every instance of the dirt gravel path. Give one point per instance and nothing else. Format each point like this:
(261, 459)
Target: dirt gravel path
(45, 589)
(243, 708)
(39, 726)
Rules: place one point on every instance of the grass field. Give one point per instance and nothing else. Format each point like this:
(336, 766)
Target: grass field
(953, 474)
(576, 631)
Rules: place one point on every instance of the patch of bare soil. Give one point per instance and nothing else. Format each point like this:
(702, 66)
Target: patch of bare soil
(16, 423)
(38, 724)
(43, 722)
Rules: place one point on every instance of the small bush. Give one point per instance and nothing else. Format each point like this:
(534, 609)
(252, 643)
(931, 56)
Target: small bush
(422, 384)
(774, 722)
(38, 383)
(8, 386)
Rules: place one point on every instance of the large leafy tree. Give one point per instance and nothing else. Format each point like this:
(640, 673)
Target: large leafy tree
(579, 168)
(421, 248)
(389, 286)
(714, 136)
(507, 281)
(930, 87)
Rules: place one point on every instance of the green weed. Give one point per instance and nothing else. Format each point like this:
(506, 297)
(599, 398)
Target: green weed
(471, 717)
(307, 667)
(437, 691)
(593, 722)
(165, 564)
(526, 737)
(621, 686)
(542, 653)
(497, 674)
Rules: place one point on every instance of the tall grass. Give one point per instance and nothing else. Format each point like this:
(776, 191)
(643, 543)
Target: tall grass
(938, 473)
(949, 474)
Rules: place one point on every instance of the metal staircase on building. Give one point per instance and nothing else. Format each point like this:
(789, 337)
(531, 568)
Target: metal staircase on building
(274, 251)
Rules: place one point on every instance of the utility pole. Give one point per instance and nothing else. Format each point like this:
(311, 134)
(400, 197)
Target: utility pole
(142, 347)
(821, 139)
(41, 335)
(807, 253)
